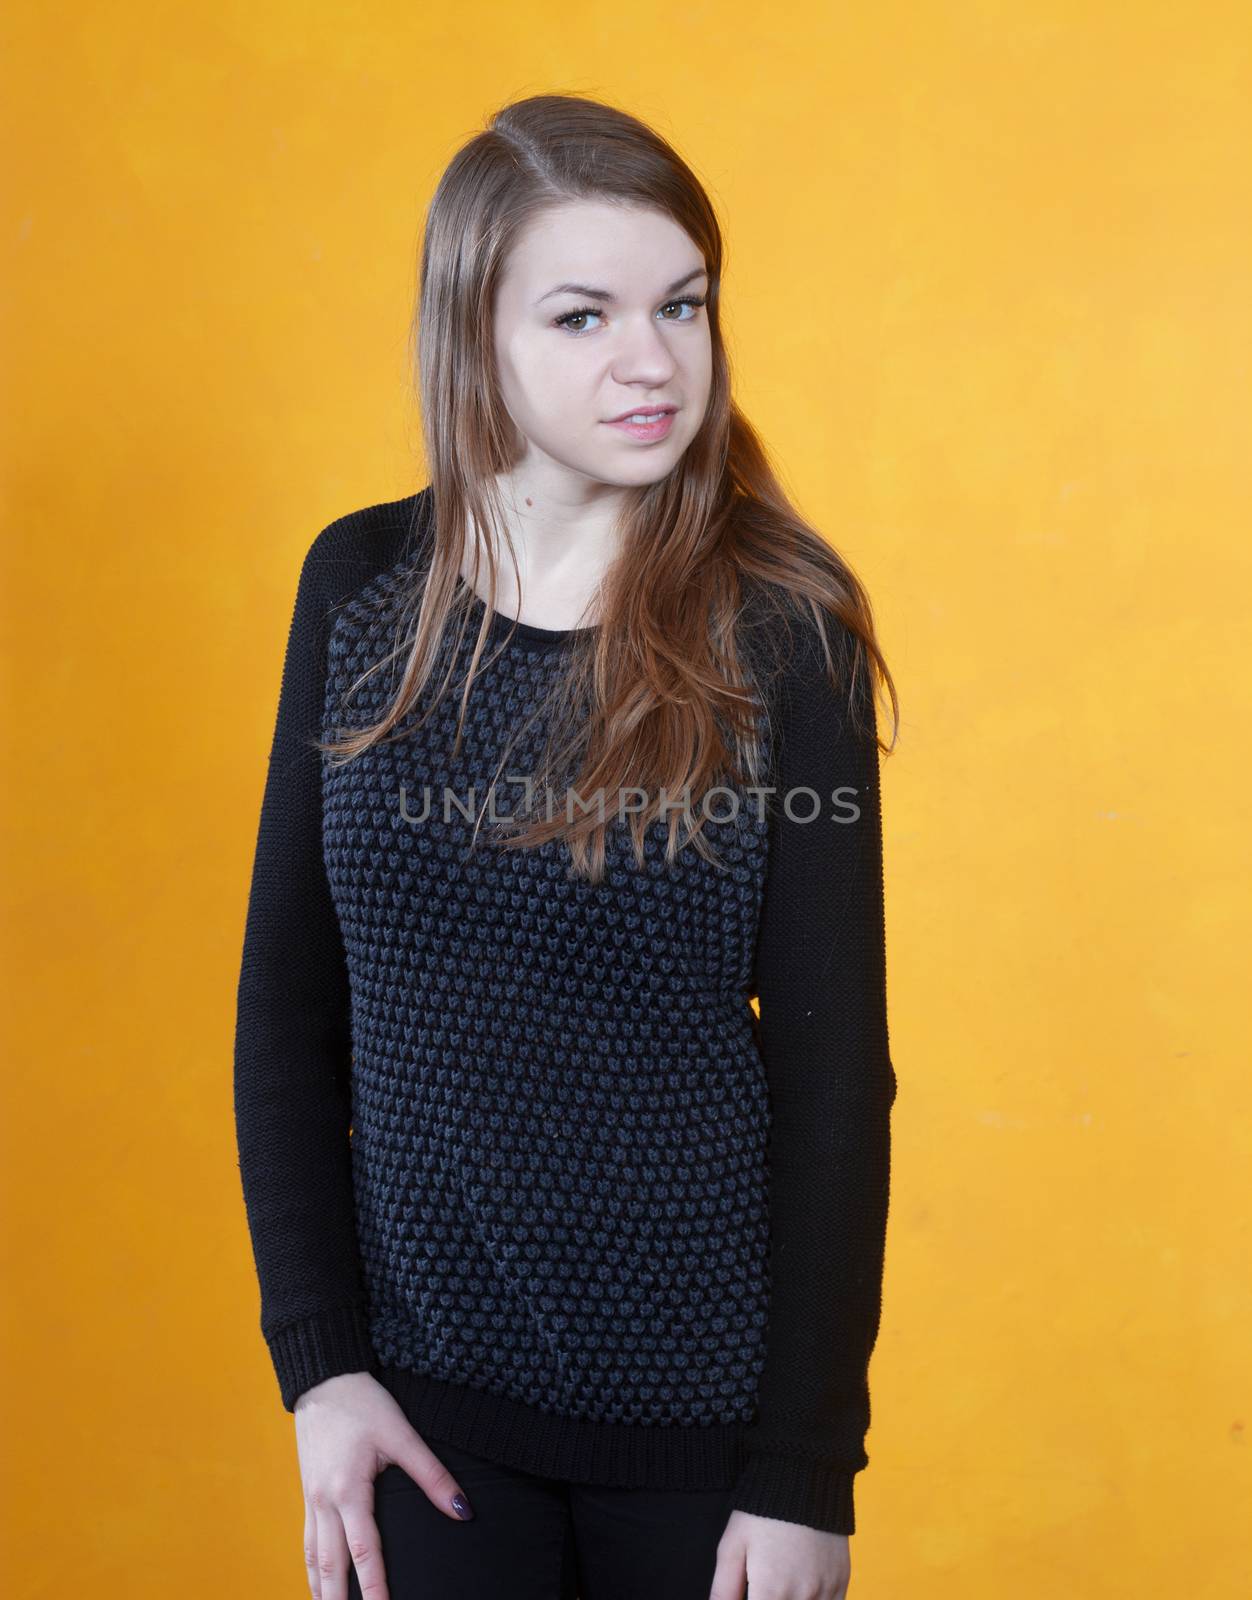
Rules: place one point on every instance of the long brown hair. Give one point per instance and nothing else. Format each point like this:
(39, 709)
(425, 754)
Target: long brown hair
(661, 695)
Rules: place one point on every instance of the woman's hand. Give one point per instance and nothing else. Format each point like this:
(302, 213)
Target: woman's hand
(347, 1430)
(779, 1561)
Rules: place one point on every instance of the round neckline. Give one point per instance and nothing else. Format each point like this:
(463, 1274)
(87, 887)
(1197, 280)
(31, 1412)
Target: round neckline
(503, 624)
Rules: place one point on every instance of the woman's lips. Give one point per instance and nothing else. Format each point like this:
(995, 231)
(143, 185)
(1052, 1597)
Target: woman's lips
(657, 428)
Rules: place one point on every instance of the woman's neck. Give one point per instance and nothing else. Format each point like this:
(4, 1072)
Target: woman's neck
(562, 553)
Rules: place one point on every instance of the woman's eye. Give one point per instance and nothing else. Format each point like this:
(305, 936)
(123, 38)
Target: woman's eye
(580, 315)
(691, 303)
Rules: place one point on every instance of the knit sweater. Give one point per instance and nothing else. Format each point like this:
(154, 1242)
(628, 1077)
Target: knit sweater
(518, 1144)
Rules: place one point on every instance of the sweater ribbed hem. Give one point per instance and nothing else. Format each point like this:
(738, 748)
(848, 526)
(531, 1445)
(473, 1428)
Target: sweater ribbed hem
(517, 1435)
(320, 1347)
(794, 1490)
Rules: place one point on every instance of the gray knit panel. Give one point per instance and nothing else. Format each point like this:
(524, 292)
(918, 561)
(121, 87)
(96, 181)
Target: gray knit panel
(560, 1110)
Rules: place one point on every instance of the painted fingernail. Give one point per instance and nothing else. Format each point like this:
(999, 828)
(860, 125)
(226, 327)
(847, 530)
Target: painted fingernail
(462, 1507)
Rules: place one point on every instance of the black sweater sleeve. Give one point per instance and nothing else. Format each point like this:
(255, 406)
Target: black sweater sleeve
(293, 1028)
(821, 981)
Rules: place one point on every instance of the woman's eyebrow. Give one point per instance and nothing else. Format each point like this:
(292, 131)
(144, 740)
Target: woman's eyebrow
(607, 294)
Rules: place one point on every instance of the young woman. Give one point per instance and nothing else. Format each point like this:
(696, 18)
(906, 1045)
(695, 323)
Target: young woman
(570, 1264)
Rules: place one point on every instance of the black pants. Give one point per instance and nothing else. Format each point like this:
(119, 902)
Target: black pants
(534, 1538)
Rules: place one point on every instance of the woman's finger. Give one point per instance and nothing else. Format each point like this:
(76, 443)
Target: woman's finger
(435, 1481)
(310, 1551)
(730, 1576)
(332, 1551)
(365, 1548)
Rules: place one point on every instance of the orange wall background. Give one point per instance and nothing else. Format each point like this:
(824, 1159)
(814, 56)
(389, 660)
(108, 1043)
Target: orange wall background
(988, 295)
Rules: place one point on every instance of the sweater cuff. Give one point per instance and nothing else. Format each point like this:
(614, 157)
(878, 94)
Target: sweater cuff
(794, 1490)
(320, 1347)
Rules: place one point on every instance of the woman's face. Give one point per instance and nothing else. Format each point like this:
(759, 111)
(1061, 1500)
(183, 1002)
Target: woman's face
(639, 339)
